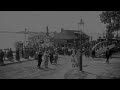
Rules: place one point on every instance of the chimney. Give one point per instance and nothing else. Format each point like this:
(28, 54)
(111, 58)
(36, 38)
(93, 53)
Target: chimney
(47, 32)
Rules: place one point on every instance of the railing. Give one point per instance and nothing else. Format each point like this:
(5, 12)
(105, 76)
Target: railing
(89, 44)
(101, 47)
(87, 47)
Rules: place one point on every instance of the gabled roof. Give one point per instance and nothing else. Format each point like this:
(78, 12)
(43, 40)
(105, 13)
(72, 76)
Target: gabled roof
(78, 32)
(70, 34)
(65, 35)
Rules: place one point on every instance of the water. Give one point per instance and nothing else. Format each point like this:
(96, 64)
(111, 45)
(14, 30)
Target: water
(7, 40)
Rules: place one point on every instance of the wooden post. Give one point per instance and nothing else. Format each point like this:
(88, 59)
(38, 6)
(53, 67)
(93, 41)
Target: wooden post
(81, 52)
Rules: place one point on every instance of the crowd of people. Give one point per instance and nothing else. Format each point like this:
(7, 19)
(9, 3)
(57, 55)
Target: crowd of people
(46, 54)
(49, 53)
(8, 54)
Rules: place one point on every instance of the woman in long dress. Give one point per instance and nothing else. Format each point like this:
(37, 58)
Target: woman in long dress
(55, 57)
(73, 59)
(46, 57)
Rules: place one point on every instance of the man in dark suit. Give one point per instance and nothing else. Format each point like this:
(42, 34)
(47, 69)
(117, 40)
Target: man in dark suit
(107, 55)
(17, 55)
(10, 55)
(39, 59)
(1, 57)
(22, 51)
(93, 54)
(51, 57)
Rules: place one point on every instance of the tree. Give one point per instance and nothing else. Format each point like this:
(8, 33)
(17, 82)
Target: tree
(111, 19)
(109, 35)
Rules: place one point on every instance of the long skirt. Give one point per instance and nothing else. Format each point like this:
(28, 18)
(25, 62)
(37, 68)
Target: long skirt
(46, 62)
(55, 59)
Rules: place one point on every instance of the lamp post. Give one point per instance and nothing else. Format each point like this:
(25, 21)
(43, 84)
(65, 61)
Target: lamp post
(80, 27)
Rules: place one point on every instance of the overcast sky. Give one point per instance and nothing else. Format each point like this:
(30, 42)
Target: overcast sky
(38, 20)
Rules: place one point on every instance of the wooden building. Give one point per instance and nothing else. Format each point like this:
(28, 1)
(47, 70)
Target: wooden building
(70, 38)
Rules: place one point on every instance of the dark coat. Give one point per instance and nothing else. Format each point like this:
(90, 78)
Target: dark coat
(1, 55)
(17, 55)
(51, 56)
(93, 53)
(10, 54)
(40, 57)
(107, 53)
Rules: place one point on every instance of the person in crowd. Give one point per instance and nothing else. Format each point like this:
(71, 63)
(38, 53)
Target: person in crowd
(10, 55)
(22, 51)
(7, 51)
(46, 57)
(51, 57)
(5, 54)
(31, 53)
(67, 50)
(34, 51)
(107, 54)
(40, 55)
(56, 57)
(73, 61)
(36, 55)
(17, 55)
(93, 54)
(61, 51)
(87, 52)
(27, 53)
(1, 57)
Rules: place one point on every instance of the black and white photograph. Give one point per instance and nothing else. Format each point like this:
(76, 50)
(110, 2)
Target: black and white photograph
(59, 45)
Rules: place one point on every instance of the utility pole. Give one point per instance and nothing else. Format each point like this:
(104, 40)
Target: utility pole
(81, 25)
(47, 31)
(25, 37)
